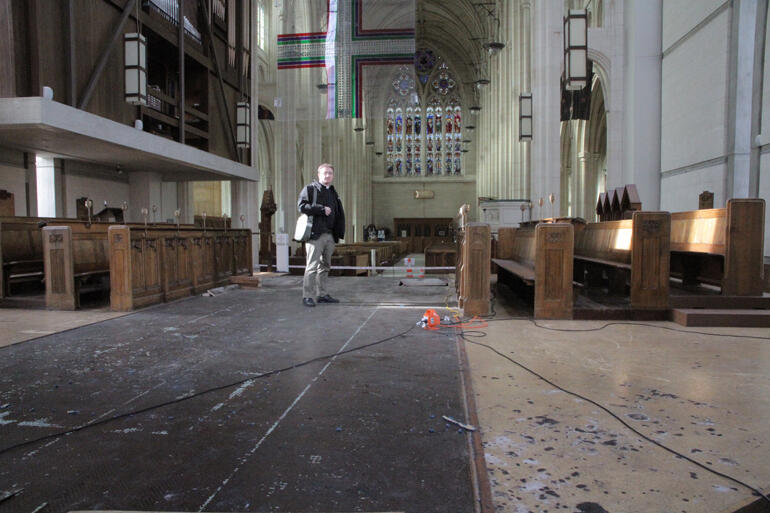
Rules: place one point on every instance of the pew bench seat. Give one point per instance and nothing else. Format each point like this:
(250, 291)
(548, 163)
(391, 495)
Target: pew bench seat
(19, 271)
(524, 272)
(629, 257)
(606, 263)
(541, 258)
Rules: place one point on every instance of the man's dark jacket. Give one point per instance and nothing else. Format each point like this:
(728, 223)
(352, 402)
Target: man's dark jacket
(335, 223)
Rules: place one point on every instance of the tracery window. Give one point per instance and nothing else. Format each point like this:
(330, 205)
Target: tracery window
(424, 121)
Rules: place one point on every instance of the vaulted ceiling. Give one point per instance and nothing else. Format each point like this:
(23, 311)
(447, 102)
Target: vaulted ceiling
(456, 30)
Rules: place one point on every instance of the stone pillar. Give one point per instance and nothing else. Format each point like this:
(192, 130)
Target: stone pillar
(547, 56)
(184, 200)
(580, 191)
(590, 186)
(246, 203)
(643, 57)
(742, 163)
(144, 191)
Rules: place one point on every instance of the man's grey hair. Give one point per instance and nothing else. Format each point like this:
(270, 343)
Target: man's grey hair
(325, 165)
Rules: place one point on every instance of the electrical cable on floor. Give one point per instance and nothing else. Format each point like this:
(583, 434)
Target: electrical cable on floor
(631, 323)
(464, 336)
(198, 394)
(458, 329)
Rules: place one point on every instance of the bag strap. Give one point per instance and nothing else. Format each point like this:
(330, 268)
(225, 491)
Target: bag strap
(315, 195)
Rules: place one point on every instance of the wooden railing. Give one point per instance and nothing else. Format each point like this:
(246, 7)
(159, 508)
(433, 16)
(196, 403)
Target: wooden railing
(156, 265)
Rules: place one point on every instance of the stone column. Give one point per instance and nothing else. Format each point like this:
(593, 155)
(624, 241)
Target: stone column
(641, 142)
(742, 163)
(144, 191)
(547, 55)
(184, 201)
(246, 203)
(580, 191)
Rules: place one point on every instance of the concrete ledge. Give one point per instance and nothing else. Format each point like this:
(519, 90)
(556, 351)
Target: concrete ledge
(37, 124)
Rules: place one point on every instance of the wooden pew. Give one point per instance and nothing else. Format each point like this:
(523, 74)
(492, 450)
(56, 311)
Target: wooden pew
(440, 255)
(21, 252)
(541, 257)
(474, 296)
(21, 247)
(154, 265)
(632, 252)
(720, 246)
(76, 259)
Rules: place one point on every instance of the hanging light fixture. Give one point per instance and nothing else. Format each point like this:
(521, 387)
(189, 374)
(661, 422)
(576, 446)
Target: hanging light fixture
(482, 83)
(475, 109)
(135, 58)
(576, 49)
(243, 124)
(525, 117)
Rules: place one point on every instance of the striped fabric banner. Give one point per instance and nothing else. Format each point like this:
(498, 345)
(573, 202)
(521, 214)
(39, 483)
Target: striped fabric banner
(345, 49)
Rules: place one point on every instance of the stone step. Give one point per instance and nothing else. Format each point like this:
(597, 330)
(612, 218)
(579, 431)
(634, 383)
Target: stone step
(743, 318)
(720, 302)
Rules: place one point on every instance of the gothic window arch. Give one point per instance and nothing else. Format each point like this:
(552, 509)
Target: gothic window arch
(424, 120)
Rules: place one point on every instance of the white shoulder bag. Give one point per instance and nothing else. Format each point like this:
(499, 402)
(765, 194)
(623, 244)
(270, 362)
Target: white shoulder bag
(305, 223)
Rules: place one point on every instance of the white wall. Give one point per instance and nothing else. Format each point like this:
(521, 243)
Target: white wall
(681, 16)
(679, 191)
(396, 199)
(13, 179)
(694, 103)
(98, 183)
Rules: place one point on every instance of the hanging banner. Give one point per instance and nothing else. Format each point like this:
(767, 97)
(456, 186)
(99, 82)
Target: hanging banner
(354, 36)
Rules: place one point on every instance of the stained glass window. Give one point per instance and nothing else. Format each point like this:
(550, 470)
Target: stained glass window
(423, 122)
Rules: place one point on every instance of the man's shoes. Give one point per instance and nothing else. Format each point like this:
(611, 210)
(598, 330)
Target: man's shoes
(308, 301)
(327, 299)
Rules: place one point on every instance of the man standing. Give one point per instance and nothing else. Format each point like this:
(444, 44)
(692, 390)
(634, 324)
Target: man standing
(328, 229)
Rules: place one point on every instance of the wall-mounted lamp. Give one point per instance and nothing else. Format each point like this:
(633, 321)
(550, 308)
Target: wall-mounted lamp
(378, 153)
(322, 88)
(135, 57)
(525, 117)
(576, 49)
(243, 124)
(482, 83)
(475, 109)
(470, 127)
(370, 143)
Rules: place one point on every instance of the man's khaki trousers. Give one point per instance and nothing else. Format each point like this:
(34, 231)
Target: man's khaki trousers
(319, 261)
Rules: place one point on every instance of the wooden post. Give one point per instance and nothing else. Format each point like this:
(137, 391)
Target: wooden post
(744, 246)
(554, 248)
(705, 200)
(476, 259)
(650, 260)
(505, 236)
(59, 268)
(121, 281)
